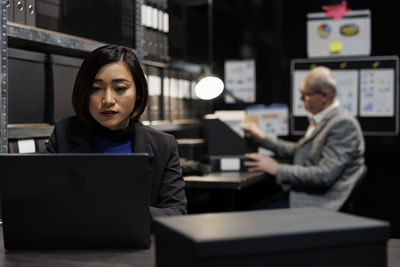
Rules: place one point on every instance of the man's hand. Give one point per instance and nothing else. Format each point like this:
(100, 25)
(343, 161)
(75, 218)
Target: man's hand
(262, 163)
(252, 130)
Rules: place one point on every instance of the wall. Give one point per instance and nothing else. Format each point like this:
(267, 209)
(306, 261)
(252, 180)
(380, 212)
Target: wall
(276, 30)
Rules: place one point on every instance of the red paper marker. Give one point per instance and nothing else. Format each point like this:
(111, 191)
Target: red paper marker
(336, 11)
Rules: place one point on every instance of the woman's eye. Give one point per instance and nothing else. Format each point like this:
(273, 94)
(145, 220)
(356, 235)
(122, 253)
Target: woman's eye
(96, 88)
(120, 89)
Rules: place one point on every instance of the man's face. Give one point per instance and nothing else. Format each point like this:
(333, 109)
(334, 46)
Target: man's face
(314, 102)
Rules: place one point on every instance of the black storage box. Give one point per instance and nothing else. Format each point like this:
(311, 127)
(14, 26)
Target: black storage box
(309, 237)
(191, 149)
(222, 140)
(64, 70)
(27, 94)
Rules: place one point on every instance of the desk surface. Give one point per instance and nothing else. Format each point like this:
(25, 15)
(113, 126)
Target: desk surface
(224, 180)
(84, 258)
(120, 258)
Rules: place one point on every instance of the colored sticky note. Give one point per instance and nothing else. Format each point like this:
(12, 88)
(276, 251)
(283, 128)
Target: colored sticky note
(335, 47)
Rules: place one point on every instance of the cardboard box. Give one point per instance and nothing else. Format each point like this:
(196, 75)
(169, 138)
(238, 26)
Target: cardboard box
(288, 237)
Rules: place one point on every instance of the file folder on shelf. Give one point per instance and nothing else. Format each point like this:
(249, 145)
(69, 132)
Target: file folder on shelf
(19, 11)
(30, 12)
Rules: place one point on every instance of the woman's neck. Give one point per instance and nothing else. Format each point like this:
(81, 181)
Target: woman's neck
(114, 135)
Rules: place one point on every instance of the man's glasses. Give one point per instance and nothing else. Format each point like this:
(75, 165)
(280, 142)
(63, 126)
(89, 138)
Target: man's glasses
(308, 94)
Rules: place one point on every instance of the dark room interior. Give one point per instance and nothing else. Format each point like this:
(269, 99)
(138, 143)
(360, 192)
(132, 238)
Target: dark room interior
(178, 42)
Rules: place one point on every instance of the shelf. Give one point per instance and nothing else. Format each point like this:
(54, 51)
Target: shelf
(174, 125)
(28, 37)
(42, 40)
(34, 130)
(38, 130)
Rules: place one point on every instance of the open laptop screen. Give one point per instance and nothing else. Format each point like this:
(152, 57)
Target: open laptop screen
(75, 201)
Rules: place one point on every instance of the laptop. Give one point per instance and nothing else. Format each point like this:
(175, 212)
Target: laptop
(75, 201)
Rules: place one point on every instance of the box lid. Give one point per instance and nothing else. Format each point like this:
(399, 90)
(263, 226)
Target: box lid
(250, 232)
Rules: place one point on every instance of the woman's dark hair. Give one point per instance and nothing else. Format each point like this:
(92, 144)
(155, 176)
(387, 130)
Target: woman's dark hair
(98, 58)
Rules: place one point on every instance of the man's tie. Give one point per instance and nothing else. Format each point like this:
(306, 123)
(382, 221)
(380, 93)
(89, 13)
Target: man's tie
(311, 127)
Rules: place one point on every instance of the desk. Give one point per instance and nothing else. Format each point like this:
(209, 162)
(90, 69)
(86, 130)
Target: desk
(103, 258)
(394, 253)
(112, 258)
(224, 180)
(228, 191)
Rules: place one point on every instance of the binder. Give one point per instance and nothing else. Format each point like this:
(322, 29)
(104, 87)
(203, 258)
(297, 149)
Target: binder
(174, 89)
(180, 101)
(19, 11)
(30, 12)
(48, 14)
(154, 81)
(166, 93)
(10, 10)
(146, 41)
(165, 46)
(186, 107)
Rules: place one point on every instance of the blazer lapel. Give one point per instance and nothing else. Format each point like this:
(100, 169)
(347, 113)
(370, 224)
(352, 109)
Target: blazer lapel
(141, 141)
(141, 144)
(319, 127)
(81, 141)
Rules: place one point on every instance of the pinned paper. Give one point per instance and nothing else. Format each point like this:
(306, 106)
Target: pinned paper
(335, 47)
(337, 12)
(272, 119)
(251, 118)
(353, 30)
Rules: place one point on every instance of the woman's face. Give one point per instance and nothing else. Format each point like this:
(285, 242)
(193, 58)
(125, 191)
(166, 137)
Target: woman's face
(113, 97)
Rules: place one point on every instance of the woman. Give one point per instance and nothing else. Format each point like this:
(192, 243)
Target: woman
(109, 96)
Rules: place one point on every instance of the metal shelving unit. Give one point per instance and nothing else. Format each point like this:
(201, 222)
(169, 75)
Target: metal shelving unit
(36, 39)
(20, 35)
(4, 72)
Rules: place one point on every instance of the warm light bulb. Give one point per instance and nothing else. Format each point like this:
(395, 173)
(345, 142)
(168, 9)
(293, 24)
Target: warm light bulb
(209, 87)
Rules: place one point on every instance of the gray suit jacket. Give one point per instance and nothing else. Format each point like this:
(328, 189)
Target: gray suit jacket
(326, 165)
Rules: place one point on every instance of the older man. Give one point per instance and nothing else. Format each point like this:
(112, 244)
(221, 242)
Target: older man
(328, 161)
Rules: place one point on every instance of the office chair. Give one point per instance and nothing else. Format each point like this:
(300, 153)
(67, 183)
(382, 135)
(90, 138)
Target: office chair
(349, 204)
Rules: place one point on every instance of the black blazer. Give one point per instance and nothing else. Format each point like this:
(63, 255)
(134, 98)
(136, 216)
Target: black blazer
(167, 195)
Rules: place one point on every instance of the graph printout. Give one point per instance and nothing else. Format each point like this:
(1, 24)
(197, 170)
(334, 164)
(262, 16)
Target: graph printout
(377, 93)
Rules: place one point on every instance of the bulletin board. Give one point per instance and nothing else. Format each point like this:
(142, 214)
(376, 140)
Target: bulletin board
(367, 86)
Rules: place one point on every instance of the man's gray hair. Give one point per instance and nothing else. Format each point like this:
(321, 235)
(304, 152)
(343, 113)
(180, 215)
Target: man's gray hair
(325, 82)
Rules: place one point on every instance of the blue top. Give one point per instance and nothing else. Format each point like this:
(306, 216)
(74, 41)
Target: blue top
(107, 147)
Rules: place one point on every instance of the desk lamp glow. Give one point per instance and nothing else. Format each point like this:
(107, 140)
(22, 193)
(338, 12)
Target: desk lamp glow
(209, 87)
